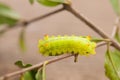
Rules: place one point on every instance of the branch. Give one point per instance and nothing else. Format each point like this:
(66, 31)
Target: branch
(26, 23)
(92, 26)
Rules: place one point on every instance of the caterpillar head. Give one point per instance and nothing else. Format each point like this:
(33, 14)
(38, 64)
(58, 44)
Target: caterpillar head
(85, 46)
(91, 48)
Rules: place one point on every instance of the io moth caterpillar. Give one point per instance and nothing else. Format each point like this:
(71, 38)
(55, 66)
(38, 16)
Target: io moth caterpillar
(53, 46)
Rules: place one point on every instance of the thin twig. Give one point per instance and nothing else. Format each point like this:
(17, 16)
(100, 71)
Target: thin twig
(92, 26)
(115, 29)
(101, 44)
(26, 23)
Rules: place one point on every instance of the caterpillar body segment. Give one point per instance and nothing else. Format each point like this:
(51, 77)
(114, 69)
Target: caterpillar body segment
(53, 46)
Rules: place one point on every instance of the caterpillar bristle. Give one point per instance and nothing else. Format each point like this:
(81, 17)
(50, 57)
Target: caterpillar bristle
(46, 36)
(65, 35)
(46, 45)
(81, 37)
(47, 54)
(59, 36)
(40, 40)
(88, 37)
(72, 35)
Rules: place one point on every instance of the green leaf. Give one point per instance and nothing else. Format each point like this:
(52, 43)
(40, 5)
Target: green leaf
(117, 36)
(48, 3)
(7, 15)
(27, 76)
(61, 1)
(22, 40)
(31, 1)
(7, 20)
(22, 65)
(116, 6)
(38, 75)
(112, 65)
(41, 75)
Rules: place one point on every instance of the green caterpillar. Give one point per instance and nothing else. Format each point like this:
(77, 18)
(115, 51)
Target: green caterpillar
(53, 46)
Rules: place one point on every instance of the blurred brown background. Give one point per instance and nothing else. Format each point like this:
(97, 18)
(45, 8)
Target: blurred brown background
(99, 12)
